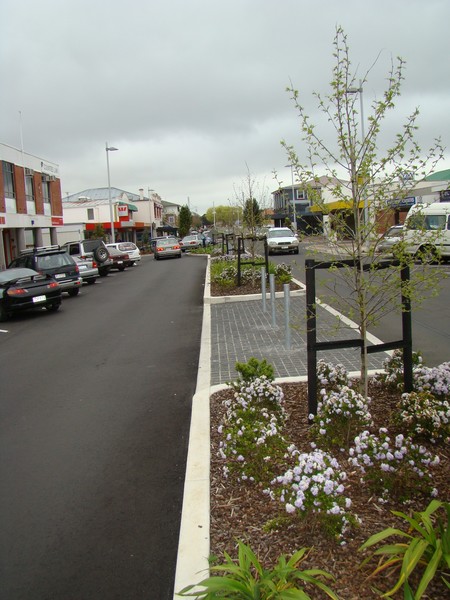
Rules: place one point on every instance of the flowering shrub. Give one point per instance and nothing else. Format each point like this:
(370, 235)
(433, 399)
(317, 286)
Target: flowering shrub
(435, 380)
(330, 376)
(424, 416)
(393, 366)
(397, 468)
(314, 485)
(340, 416)
(252, 440)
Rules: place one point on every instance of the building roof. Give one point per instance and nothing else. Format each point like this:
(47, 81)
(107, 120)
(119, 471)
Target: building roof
(439, 176)
(102, 193)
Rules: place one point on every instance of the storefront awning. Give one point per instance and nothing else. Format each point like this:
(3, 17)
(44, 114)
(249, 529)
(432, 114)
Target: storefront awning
(338, 205)
(132, 207)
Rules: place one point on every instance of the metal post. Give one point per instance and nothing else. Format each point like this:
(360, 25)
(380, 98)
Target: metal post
(407, 335)
(263, 289)
(272, 298)
(311, 336)
(287, 288)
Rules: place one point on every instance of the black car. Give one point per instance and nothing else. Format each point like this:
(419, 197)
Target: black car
(51, 260)
(25, 289)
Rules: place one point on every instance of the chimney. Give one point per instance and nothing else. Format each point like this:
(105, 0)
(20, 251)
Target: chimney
(141, 193)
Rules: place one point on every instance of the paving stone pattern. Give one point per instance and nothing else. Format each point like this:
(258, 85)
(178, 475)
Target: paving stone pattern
(242, 330)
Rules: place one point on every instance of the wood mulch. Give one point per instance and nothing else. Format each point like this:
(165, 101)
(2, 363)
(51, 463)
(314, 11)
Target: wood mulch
(241, 511)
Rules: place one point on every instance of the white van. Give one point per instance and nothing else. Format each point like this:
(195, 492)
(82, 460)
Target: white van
(427, 230)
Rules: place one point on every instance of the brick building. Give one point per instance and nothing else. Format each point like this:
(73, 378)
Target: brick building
(30, 202)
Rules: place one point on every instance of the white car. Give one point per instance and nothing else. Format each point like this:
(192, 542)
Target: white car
(281, 239)
(131, 249)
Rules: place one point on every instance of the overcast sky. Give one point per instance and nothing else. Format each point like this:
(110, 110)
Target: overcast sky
(193, 91)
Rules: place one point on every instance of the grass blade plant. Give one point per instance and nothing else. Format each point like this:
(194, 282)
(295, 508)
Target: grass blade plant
(424, 545)
(246, 579)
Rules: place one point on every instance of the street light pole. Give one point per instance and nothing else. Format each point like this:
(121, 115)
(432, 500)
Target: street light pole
(359, 90)
(111, 216)
(293, 198)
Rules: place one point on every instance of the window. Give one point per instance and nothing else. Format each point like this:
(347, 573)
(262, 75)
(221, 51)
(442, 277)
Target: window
(8, 180)
(90, 214)
(29, 187)
(45, 189)
(301, 195)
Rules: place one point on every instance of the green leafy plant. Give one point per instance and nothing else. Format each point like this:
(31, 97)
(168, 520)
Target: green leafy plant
(423, 546)
(341, 415)
(393, 467)
(254, 368)
(247, 579)
(252, 443)
(424, 416)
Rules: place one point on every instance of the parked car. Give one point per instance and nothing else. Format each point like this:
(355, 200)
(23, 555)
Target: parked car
(54, 261)
(393, 236)
(191, 242)
(427, 231)
(88, 269)
(95, 248)
(167, 248)
(120, 260)
(131, 249)
(25, 289)
(281, 239)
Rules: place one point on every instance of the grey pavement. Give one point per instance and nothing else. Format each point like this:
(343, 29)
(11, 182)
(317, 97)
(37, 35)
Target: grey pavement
(236, 329)
(241, 330)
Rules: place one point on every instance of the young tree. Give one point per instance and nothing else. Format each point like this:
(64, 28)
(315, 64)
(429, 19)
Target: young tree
(185, 220)
(362, 177)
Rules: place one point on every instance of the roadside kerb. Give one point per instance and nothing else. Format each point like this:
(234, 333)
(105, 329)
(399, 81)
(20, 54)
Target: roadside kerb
(194, 539)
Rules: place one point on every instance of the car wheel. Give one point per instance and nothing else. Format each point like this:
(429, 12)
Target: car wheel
(121, 268)
(73, 292)
(297, 250)
(3, 313)
(100, 254)
(53, 307)
(427, 254)
(90, 281)
(103, 272)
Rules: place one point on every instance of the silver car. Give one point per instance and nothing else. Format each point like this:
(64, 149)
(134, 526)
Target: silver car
(393, 236)
(167, 248)
(281, 239)
(88, 268)
(131, 249)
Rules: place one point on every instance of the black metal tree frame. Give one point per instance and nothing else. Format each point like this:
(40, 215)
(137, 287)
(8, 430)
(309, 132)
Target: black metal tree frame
(313, 346)
(254, 263)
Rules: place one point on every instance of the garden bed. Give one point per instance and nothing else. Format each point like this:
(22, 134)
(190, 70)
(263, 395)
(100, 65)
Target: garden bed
(242, 511)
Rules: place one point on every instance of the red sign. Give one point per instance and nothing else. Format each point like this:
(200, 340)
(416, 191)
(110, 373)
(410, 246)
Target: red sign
(57, 221)
(122, 210)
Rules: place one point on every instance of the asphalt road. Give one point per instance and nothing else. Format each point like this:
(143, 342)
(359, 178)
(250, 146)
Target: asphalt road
(430, 321)
(95, 408)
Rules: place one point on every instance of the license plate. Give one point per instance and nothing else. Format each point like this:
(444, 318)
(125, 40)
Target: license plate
(60, 275)
(119, 262)
(285, 247)
(82, 267)
(39, 299)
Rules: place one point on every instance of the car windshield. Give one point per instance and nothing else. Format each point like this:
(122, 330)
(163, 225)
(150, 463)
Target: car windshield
(167, 242)
(53, 261)
(190, 238)
(90, 245)
(393, 232)
(280, 233)
(126, 246)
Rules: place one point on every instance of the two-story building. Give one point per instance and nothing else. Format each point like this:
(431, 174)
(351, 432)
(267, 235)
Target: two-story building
(30, 202)
(131, 214)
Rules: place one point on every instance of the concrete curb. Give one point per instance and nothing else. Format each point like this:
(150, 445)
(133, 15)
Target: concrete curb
(194, 540)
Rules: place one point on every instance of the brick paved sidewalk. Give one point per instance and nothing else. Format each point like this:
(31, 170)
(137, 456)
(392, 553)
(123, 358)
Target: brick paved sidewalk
(241, 330)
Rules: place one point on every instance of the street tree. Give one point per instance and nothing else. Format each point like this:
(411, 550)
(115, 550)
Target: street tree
(184, 220)
(353, 170)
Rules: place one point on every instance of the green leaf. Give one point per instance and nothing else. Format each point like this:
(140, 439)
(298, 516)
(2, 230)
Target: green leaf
(378, 537)
(430, 571)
